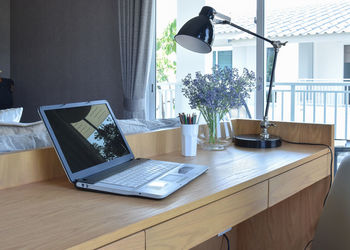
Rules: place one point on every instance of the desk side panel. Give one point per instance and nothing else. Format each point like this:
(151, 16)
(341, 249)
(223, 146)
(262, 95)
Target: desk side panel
(290, 131)
(29, 166)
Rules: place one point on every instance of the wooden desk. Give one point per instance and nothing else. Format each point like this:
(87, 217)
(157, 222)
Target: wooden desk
(242, 188)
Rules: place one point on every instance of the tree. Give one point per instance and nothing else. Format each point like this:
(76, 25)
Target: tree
(165, 49)
(109, 141)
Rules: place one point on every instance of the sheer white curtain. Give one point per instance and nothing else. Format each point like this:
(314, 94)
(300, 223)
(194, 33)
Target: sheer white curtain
(135, 29)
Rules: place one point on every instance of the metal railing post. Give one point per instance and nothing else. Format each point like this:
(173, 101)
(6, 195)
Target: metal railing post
(292, 102)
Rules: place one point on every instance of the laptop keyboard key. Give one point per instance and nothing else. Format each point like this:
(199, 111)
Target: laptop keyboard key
(140, 174)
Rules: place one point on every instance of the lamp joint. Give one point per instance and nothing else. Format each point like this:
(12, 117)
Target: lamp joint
(278, 44)
(264, 125)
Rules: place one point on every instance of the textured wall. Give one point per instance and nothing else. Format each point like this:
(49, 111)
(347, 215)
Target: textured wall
(5, 38)
(64, 51)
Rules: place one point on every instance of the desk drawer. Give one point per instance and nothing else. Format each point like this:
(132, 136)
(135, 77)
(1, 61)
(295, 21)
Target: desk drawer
(295, 180)
(133, 242)
(192, 228)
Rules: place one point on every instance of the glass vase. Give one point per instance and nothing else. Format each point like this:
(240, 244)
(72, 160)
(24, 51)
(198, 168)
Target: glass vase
(212, 140)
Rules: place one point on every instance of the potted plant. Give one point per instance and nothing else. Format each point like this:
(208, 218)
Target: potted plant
(215, 94)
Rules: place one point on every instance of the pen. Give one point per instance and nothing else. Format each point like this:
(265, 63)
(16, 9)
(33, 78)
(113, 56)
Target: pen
(188, 119)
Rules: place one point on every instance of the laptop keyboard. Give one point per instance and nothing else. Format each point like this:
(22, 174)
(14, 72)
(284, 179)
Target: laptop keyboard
(140, 174)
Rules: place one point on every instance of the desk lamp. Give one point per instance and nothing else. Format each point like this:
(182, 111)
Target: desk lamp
(198, 35)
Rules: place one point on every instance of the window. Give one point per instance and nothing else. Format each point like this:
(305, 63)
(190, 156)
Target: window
(222, 58)
(312, 72)
(347, 62)
(174, 63)
(166, 12)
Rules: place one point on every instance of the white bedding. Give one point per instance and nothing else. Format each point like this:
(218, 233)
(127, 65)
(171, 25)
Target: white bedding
(23, 136)
(11, 115)
(26, 136)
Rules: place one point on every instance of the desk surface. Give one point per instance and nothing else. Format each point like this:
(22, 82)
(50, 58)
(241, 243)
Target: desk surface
(53, 214)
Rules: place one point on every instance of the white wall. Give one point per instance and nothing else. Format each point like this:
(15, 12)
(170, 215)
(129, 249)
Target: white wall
(287, 63)
(187, 61)
(306, 60)
(328, 60)
(244, 57)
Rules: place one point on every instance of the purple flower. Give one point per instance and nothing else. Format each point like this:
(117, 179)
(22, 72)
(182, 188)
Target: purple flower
(220, 91)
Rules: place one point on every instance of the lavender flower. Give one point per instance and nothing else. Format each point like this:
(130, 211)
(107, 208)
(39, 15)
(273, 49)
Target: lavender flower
(218, 92)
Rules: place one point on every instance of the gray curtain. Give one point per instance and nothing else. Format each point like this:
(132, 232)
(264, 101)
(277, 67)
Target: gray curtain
(136, 28)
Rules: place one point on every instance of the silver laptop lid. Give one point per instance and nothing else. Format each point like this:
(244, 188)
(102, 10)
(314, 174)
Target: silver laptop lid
(86, 136)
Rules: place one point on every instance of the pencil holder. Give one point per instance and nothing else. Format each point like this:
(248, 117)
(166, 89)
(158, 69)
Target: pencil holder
(189, 134)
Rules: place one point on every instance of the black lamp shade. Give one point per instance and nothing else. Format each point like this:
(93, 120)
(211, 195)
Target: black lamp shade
(197, 34)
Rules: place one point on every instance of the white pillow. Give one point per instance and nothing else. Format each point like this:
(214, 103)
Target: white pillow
(11, 115)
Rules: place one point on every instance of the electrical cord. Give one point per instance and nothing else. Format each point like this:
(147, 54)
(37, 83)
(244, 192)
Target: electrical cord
(330, 183)
(308, 244)
(227, 240)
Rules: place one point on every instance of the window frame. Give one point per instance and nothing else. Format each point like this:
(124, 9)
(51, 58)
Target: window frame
(260, 66)
(221, 49)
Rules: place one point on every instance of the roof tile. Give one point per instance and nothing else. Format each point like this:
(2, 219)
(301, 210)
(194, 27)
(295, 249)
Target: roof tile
(326, 18)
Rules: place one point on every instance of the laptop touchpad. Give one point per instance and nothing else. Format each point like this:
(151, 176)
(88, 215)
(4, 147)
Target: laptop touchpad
(172, 178)
(157, 184)
(185, 170)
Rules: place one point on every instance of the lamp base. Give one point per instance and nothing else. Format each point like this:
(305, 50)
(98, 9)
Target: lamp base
(255, 141)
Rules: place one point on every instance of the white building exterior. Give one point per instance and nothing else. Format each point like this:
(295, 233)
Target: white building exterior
(318, 45)
(317, 36)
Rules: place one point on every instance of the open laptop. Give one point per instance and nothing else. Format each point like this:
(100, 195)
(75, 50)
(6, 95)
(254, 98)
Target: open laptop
(96, 156)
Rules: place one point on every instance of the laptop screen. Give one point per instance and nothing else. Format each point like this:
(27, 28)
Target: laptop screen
(87, 135)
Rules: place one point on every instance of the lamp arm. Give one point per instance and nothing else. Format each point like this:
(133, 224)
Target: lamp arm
(275, 44)
(222, 16)
(265, 124)
(245, 30)
(272, 77)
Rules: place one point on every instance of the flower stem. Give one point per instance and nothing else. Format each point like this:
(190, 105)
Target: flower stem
(212, 124)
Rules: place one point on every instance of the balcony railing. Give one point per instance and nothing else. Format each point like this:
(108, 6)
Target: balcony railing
(165, 103)
(165, 100)
(314, 101)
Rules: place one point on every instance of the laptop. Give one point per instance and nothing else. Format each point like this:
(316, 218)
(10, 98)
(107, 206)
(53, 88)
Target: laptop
(96, 156)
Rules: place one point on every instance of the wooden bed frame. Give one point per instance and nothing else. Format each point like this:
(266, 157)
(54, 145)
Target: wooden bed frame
(25, 167)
